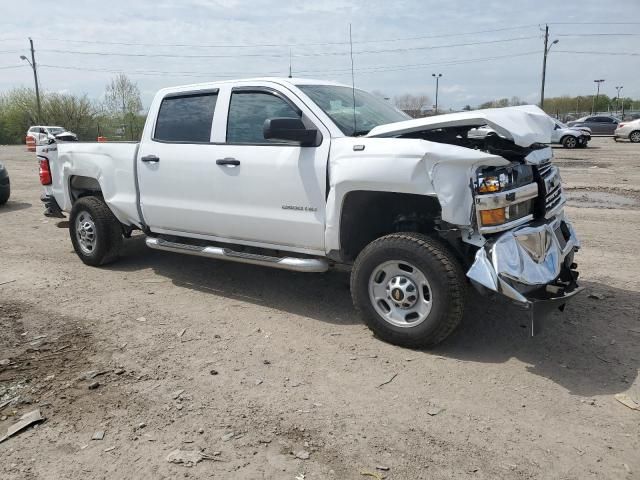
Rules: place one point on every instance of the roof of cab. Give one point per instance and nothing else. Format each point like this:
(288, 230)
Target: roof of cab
(279, 80)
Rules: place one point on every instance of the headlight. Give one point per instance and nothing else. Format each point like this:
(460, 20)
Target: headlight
(500, 179)
(504, 196)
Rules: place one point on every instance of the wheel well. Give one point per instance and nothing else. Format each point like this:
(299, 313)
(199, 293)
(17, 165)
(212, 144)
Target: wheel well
(369, 215)
(80, 186)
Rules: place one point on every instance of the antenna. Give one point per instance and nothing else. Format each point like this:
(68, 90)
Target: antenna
(290, 76)
(353, 81)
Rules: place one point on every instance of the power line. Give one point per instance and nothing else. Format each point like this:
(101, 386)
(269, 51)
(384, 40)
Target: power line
(316, 54)
(323, 72)
(261, 45)
(629, 54)
(10, 51)
(597, 34)
(594, 23)
(12, 66)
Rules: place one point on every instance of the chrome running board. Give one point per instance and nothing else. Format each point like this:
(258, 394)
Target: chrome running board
(285, 263)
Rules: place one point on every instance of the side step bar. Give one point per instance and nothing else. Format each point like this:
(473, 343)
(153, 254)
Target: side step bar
(285, 263)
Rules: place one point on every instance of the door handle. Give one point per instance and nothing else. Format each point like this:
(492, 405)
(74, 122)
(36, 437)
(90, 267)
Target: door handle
(150, 159)
(232, 162)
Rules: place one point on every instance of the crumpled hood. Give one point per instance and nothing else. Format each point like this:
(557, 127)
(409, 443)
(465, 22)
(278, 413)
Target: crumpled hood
(524, 125)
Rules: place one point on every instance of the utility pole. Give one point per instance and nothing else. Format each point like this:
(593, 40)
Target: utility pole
(35, 76)
(618, 99)
(437, 77)
(547, 48)
(595, 99)
(290, 75)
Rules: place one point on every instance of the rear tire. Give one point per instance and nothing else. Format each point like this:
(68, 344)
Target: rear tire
(96, 234)
(409, 289)
(634, 137)
(570, 142)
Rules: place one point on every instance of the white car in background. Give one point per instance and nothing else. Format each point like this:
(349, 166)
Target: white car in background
(41, 133)
(629, 131)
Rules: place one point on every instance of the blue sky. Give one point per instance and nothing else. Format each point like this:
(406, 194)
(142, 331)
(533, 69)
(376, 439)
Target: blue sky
(397, 45)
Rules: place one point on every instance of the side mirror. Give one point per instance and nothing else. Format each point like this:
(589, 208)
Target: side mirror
(291, 129)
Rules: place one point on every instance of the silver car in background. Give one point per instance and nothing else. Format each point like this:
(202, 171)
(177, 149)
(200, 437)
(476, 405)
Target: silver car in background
(570, 137)
(628, 131)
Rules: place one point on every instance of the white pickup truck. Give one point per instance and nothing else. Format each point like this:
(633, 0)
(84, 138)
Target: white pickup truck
(304, 175)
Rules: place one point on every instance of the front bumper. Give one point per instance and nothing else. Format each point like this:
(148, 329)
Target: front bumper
(532, 265)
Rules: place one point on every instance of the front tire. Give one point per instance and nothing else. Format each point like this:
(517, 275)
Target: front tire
(634, 137)
(409, 289)
(95, 232)
(570, 142)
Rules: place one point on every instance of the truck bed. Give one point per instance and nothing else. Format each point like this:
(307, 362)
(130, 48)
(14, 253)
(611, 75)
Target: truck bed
(112, 164)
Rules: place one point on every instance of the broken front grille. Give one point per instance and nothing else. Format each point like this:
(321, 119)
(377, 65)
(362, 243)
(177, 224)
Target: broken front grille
(551, 188)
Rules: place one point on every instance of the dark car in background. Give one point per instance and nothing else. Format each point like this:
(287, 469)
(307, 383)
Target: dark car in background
(599, 124)
(5, 188)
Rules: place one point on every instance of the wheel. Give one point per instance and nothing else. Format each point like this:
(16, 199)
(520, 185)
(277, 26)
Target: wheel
(570, 142)
(409, 289)
(634, 136)
(95, 232)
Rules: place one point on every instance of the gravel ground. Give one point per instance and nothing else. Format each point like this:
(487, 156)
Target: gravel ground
(270, 375)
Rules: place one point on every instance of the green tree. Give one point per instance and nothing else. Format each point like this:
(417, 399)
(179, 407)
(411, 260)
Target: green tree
(122, 98)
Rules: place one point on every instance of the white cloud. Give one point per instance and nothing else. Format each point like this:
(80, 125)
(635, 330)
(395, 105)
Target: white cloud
(376, 25)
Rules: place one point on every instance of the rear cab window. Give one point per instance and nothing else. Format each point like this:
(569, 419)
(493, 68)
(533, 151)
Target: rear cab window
(186, 117)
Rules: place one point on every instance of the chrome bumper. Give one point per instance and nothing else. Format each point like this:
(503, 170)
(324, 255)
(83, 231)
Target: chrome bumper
(530, 264)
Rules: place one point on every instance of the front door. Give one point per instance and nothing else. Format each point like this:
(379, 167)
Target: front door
(269, 191)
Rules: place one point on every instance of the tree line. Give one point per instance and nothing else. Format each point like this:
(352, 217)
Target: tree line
(116, 116)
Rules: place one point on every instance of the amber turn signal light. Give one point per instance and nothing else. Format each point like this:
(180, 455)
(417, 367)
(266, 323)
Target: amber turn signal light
(493, 217)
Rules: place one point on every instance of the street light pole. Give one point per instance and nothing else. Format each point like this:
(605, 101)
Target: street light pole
(618, 99)
(547, 48)
(35, 76)
(595, 100)
(437, 77)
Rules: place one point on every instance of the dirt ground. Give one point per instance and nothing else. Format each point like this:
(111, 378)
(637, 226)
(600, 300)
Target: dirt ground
(259, 369)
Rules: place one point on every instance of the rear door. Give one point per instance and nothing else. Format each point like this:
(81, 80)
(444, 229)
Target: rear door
(176, 165)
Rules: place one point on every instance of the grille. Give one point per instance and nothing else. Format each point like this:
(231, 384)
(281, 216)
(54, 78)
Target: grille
(552, 186)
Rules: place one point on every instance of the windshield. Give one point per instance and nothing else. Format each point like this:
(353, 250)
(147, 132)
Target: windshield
(55, 130)
(337, 102)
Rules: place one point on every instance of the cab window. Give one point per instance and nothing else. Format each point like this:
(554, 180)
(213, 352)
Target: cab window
(247, 112)
(186, 118)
